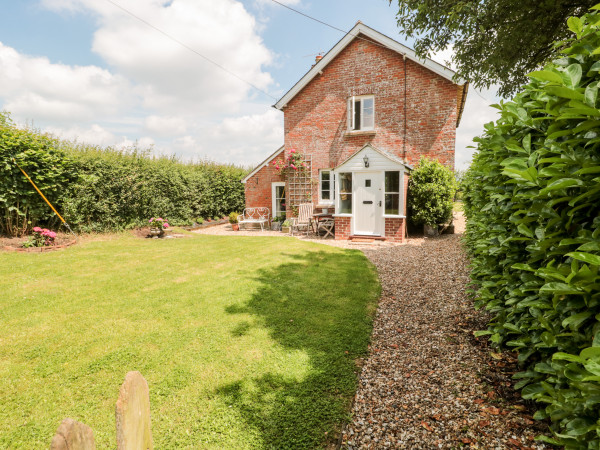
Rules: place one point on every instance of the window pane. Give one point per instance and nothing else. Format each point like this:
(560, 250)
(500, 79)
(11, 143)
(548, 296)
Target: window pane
(357, 115)
(279, 201)
(325, 195)
(346, 182)
(325, 174)
(392, 203)
(392, 182)
(346, 203)
(325, 185)
(345, 193)
(367, 111)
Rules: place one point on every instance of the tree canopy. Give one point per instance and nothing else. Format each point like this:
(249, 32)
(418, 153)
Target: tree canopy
(495, 42)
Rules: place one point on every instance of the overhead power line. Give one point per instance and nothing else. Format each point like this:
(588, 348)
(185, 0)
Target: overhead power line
(331, 26)
(191, 49)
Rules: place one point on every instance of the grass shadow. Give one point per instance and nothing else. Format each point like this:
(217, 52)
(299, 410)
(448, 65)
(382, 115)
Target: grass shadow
(320, 304)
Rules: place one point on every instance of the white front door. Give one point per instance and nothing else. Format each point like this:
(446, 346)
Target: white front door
(368, 217)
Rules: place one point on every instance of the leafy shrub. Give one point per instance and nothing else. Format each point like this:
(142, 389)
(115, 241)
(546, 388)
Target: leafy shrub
(532, 199)
(431, 192)
(102, 189)
(41, 157)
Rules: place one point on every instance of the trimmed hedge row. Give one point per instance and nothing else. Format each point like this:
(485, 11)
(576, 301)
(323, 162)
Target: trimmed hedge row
(98, 189)
(532, 199)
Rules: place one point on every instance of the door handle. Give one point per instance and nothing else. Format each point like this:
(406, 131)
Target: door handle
(379, 202)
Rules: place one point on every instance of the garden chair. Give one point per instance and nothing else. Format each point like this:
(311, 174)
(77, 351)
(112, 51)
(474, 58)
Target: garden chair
(305, 212)
(326, 225)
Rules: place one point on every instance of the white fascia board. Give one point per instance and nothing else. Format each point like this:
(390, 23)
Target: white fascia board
(265, 163)
(395, 163)
(361, 28)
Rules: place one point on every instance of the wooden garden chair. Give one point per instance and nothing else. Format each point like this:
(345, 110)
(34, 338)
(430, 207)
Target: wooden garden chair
(326, 225)
(305, 212)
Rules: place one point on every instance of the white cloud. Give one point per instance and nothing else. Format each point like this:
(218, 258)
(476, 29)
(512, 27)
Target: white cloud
(95, 135)
(477, 112)
(444, 57)
(165, 125)
(35, 88)
(169, 76)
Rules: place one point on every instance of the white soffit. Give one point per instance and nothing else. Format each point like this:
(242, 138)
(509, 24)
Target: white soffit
(366, 31)
(390, 162)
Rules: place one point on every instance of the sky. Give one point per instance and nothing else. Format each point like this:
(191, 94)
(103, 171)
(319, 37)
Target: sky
(88, 70)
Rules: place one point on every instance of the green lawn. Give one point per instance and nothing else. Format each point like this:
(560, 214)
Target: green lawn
(244, 342)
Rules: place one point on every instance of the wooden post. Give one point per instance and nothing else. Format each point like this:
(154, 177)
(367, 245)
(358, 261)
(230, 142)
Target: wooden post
(73, 435)
(133, 414)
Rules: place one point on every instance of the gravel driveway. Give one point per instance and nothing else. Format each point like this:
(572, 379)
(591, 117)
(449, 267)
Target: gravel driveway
(428, 382)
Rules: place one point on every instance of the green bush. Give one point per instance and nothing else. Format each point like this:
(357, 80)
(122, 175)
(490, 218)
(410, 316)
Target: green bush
(532, 199)
(41, 157)
(102, 189)
(431, 192)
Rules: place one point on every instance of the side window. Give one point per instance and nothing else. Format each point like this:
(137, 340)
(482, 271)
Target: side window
(392, 193)
(361, 113)
(345, 193)
(326, 186)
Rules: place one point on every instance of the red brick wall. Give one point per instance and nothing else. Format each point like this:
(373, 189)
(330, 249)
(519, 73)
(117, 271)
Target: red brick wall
(258, 187)
(395, 229)
(315, 119)
(342, 227)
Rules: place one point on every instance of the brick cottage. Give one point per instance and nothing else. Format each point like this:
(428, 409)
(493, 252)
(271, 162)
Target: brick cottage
(360, 118)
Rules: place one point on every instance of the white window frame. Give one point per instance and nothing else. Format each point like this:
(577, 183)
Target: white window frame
(338, 197)
(400, 195)
(274, 187)
(331, 200)
(352, 113)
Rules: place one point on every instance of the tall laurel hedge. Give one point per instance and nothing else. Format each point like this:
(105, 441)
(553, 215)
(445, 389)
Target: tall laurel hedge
(102, 189)
(532, 199)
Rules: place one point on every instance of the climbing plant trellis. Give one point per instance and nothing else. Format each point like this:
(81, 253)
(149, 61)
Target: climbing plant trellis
(300, 185)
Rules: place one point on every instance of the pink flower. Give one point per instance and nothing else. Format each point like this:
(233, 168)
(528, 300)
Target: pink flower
(277, 167)
(151, 220)
(292, 151)
(166, 225)
(160, 218)
(37, 229)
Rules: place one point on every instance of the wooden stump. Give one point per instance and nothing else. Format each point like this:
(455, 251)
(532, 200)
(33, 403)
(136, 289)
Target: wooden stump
(73, 435)
(133, 414)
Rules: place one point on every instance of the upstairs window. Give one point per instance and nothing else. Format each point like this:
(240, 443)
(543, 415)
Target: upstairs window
(361, 113)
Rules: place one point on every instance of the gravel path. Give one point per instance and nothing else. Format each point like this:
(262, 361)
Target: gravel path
(428, 382)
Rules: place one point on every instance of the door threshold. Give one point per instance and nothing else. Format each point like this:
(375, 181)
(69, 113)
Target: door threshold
(366, 237)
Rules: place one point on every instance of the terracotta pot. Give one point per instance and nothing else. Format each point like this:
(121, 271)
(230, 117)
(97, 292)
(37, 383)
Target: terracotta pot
(235, 226)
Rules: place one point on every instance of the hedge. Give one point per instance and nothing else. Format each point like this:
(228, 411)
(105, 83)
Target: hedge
(532, 200)
(103, 189)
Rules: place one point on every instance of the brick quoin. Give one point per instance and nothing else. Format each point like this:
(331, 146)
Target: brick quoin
(315, 120)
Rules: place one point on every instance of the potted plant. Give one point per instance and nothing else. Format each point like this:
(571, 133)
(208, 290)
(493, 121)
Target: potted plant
(158, 225)
(286, 226)
(233, 220)
(276, 223)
